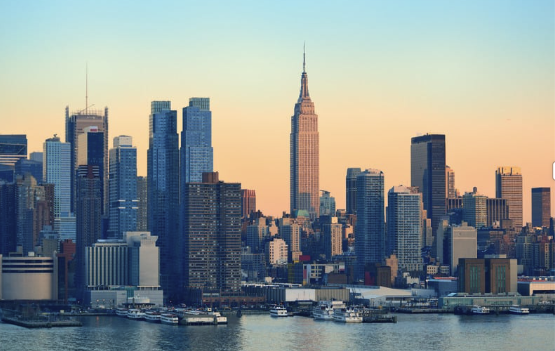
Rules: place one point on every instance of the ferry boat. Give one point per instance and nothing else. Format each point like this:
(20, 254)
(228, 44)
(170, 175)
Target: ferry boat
(121, 312)
(324, 310)
(169, 318)
(516, 309)
(218, 318)
(347, 315)
(152, 316)
(479, 310)
(135, 314)
(278, 311)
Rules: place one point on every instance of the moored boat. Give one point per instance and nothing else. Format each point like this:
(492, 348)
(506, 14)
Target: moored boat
(135, 314)
(325, 309)
(121, 312)
(152, 316)
(169, 318)
(479, 310)
(278, 311)
(516, 309)
(347, 315)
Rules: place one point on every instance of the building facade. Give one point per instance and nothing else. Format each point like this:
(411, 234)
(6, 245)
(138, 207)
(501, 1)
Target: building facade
(508, 185)
(304, 154)
(248, 202)
(196, 141)
(404, 227)
(428, 173)
(369, 230)
(541, 207)
(351, 190)
(212, 235)
(163, 190)
(123, 187)
(75, 126)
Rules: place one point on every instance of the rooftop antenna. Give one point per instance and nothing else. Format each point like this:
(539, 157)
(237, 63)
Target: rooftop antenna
(87, 88)
(304, 54)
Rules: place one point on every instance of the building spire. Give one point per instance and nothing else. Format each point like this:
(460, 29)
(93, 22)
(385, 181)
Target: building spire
(304, 79)
(304, 57)
(86, 88)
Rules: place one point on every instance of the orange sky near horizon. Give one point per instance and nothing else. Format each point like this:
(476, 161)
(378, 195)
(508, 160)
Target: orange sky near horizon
(377, 76)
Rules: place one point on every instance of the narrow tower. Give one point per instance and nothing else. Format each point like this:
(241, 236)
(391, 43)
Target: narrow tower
(304, 153)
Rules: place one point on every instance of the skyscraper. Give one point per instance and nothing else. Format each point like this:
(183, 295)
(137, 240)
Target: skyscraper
(508, 185)
(57, 170)
(404, 227)
(351, 187)
(75, 125)
(123, 187)
(142, 211)
(212, 235)
(450, 190)
(163, 189)
(369, 230)
(327, 204)
(196, 141)
(12, 148)
(475, 209)
(90, 151)
(304, 154)
(427, 172)
(248, 202)
(88, 215)
(541, 207)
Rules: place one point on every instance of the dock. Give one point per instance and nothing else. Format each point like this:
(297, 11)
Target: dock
(379, 318)
(42, 323)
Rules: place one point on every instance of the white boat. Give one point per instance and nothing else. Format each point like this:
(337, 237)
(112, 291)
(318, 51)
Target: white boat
(347, 315)
(218, 318)
(135, 314)
(152, 316)
(325, 309)
(169, 318)
(278, 311)
(479, 310)
(121, 312)
(516, 309)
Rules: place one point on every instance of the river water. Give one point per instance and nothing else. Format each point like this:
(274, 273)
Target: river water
(262, 332)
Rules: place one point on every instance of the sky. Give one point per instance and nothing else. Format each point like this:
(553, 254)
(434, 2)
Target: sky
(480, 72)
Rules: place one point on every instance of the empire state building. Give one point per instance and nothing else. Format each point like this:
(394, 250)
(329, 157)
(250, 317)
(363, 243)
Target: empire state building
(304, 154)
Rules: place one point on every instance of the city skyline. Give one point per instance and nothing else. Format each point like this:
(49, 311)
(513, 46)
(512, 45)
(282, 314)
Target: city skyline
(380, 76)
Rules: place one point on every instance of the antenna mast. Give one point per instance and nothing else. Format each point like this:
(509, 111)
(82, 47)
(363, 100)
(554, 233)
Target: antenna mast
(87, 88)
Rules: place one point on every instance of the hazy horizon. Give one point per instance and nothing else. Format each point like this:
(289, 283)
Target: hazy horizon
(482, 73)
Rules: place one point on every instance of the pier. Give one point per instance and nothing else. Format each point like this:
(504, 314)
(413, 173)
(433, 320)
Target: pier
(42, 323)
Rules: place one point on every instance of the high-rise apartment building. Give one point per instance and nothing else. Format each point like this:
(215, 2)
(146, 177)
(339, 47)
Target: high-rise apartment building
(163, 190)
(327, 204)
(369, 230)
(196, 141)
(123, 187)
(541, 207)
(428, 173)
(212, 235)
(450, 190)
(248, 202)
(475, 209)
(404, 227)
(304, 154)
(508, 185)
(75, 126)
(332, 232)
(142, 211)
(57, 170)
(351, 190)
